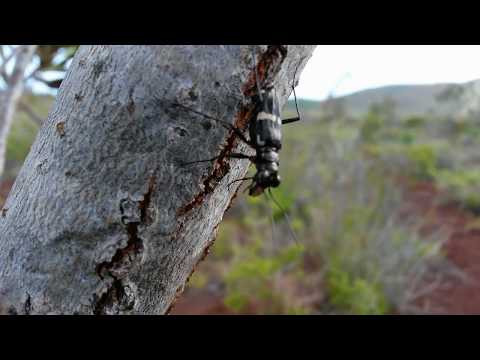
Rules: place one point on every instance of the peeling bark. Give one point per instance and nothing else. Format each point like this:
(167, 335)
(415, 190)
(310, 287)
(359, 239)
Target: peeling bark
(103, 217)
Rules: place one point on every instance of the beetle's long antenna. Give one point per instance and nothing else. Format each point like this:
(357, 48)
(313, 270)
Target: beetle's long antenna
(272, 221)
(287, 218)
(225, 124)
(293, 88)
(237, 180)
(256, 74)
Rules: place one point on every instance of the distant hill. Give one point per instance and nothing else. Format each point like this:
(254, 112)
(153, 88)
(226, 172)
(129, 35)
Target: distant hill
(439, 99)
(408, 99)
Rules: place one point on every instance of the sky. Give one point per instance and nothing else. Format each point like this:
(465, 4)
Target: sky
(343, 69)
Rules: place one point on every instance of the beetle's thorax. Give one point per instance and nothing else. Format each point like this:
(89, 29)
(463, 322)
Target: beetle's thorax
(265, 129)
(265, 132)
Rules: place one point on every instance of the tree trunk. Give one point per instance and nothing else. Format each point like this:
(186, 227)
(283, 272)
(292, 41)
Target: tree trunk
(10, 97)
(104, 217)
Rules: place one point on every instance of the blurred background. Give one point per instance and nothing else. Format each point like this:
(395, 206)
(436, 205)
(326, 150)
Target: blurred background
(379, 209)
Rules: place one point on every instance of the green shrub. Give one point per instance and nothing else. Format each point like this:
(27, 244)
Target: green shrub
(237, 301)
(424, 160)
(355, 295)
(24, 131)
(415, 122)
(222, 248)
(407, 137)
(462, 185)
(20, 138)
(371, 126)
(250, 277)
(198, 280)
(369, 256)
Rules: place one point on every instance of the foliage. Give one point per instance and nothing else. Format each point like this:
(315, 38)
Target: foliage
(424, 160)
(415, 122)
(371, 126)
(355, 295)
(24, 131)
(249, 278)
(198, 280)
(462, 185)
(20, 138)
(53, 58)
(450, 93)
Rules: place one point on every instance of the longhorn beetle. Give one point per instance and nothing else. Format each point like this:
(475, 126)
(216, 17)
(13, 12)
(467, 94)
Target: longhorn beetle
(265, 137)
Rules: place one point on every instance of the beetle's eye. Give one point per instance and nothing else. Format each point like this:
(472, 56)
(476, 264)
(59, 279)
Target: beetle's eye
(276, 180)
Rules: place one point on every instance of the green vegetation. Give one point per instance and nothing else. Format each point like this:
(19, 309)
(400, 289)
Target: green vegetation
(24, 130)
(462, 185)
(340, 190)
(252, 272)
(21, 137)
(355, 295)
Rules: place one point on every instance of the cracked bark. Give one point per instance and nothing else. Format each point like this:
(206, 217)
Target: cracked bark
(103, 218)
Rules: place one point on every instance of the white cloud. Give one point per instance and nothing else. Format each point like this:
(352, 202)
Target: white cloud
(343, 69)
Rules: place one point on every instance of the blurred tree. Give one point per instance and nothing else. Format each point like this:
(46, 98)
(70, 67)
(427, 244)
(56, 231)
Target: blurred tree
(385, 109)
(452, 93)
(20, 56)
(52, 59)
(334, 109)
(16, 73)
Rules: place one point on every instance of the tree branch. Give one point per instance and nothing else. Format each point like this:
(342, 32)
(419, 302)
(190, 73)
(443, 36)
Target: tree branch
(11, 96)
(7, 59)
(30, 112)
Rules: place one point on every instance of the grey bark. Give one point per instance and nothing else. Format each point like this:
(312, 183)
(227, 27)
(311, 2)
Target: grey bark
(104, 218)
(8, 102)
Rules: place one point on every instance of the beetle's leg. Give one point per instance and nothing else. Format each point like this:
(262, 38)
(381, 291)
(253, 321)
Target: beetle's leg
(224, 123)
(233, 155)
(290, 120)
(242, 179)
(298, 118)
(242, 156)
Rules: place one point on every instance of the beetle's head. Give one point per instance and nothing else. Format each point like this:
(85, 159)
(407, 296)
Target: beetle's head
(262, 180)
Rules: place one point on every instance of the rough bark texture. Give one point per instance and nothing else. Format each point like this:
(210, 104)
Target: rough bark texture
(10, 97)
(103, 217)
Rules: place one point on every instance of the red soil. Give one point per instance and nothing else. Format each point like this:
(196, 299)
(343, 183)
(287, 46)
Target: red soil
(454, 294)
(200, 302)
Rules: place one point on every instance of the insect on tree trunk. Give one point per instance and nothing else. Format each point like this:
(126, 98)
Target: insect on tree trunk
(104, 217)
(11, 95)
